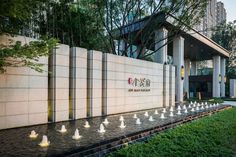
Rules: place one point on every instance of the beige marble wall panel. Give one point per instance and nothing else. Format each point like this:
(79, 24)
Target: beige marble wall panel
(118, 99)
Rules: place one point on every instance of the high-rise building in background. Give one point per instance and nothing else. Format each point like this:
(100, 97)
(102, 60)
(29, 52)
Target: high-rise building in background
(220, 13)
(215, 14)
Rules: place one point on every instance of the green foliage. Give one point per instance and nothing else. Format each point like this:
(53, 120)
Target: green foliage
(229, 99)
(213, 100)
(122, 13)
(73, 23)
(19, 54)
(15, 15)
(216, 100)
(209, 136)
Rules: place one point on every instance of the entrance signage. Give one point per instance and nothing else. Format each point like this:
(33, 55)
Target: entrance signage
(139, 84)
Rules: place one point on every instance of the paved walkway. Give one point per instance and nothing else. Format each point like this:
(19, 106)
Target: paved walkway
(232, 103)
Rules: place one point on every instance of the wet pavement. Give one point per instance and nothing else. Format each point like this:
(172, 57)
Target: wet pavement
(15, 142)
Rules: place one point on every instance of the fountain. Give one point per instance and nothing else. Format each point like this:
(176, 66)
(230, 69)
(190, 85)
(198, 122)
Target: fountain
(184, 107)
(151, 119)
(146, 114)
(194, 105)
(217, 104)
(101, 129)
(178, 113)
(207, 106)
(206, 103)
(156, 112)
(121, 118)
(135, 116)
(162, 116)
(63, 129)
(164, 110)
(202, 108)
(185, 111)
(122, 125)
(86, 125)
(189, 106)
(33, 134)
(197, 108)
(179, 108)
(44, 142)
(210, 106)
(106, 121)
(198, 104)
(138, 121)
(191, 103)
(192, 110)
(171, 114)
(76, 135)
(171, 109)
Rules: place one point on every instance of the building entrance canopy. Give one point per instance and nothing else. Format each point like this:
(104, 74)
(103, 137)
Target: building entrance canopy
(197, 47)
(164, 35)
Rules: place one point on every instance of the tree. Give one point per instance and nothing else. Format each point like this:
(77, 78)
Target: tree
(16, 17)
(225, 35)
(120, 13)
(74, 23)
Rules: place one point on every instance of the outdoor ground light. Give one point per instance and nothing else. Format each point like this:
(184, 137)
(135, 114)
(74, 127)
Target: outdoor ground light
(182, 72)
(219, 78)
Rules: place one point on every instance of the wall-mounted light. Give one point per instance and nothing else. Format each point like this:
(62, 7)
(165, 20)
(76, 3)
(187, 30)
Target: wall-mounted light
(225, 79)
(182, 72)
(219, 78)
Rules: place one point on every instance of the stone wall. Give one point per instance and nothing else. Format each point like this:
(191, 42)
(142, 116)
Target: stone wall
(23, 93)
(78, 83)
(121, 94)
(59, 84)
(94, 99)
(82, 84)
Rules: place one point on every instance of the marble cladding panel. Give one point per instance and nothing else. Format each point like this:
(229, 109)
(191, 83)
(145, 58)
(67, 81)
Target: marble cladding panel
(60, 74)
(119, 98)
(80, 105)
(94, 88)
(23, 93)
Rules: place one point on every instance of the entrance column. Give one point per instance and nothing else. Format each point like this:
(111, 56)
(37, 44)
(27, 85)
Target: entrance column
(222, 85)
(178, 58)
(121, 47)
(186, 76)
(161, 36)
(193, 68)
(216, 75)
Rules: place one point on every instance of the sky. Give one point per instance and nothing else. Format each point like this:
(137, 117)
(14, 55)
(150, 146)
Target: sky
(230, 6)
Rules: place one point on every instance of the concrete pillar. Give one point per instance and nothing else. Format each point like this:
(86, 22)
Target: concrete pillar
(232, 87)
(59, 84)
(216, 73)
(160, 40)
(222, 85)
(121, 47)
(78, 83)
(178, 58)
(166, 85)
(172, 86)
(94, 84)
(186, 76)
(193, 68)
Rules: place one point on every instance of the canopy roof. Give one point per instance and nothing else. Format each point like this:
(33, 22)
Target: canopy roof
(197, 46)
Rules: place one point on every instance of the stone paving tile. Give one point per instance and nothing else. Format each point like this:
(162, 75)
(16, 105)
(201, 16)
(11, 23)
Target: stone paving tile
(15, 142)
